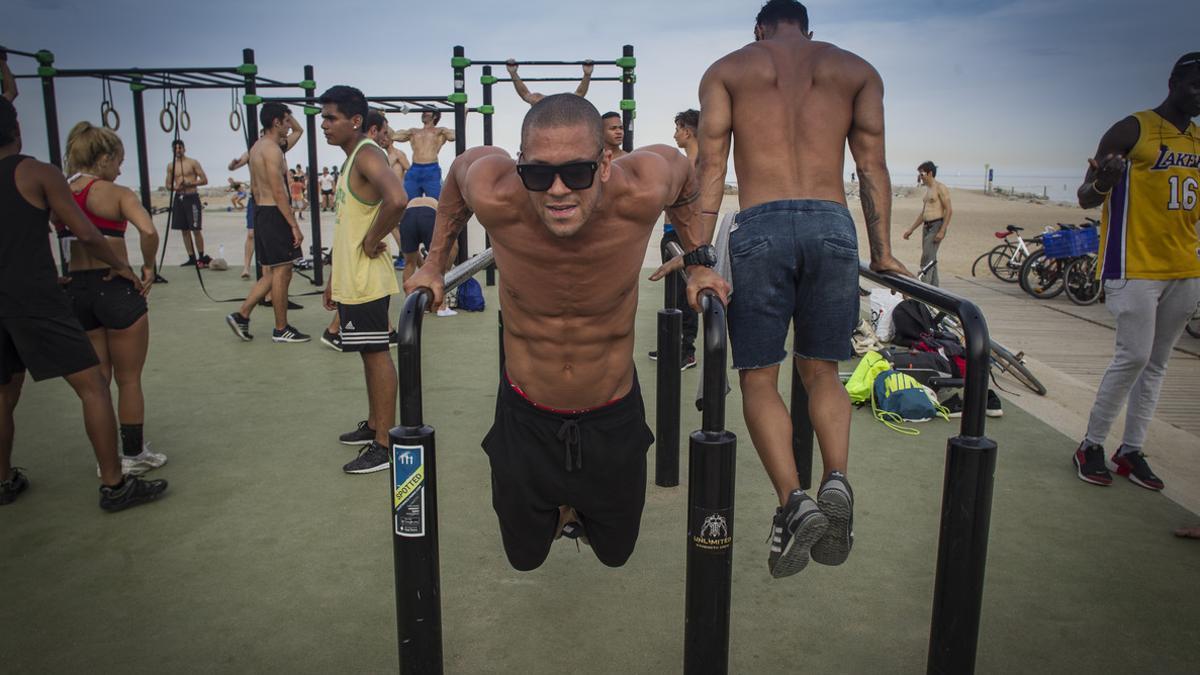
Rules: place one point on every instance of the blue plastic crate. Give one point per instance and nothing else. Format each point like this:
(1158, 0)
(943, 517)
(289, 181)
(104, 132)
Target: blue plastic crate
(1057, 244)
(1071, 243)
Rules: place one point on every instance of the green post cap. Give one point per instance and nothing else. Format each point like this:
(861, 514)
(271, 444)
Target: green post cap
(307, 84)
(252, 99)
(627, 62)
(46, 71)
(457, 97)
(488, 79)
(45, 57)
(137, 86)
(487, 109)
(628, 104)
(248, 69)
(311, 110)
(459, 62)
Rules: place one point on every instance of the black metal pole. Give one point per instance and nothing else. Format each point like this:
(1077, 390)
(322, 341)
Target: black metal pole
(802, 429)
(143, 158)
(314, 201)
(666, 423)
(50, 106)
(712, 455)
(488, 80)
(628, 107)
(250, 82)
(459, 99)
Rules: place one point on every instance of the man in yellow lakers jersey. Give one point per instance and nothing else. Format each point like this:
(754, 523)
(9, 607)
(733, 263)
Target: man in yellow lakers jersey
(1146, 173)
(369, 199)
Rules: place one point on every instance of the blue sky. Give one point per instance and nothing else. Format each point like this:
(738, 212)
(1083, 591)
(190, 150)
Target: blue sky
(1025, 85)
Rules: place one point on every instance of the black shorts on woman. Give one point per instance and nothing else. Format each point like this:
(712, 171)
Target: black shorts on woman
(104, 303)
(593, 461)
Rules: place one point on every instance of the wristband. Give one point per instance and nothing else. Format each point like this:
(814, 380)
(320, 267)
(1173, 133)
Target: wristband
(1098, 191)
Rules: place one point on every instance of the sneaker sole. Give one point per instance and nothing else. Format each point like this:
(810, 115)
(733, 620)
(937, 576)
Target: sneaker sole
(286, 340)
(834, 547)
(132, 503)
(1132, 478)
(1089, 479)
(331, 345)
(233, 325)
(372, 469)
(687, 366)
(992, 413)
(357, 443)
(795, 558)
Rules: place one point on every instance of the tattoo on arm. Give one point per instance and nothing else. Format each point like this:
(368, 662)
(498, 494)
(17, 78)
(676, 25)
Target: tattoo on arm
(870, 212)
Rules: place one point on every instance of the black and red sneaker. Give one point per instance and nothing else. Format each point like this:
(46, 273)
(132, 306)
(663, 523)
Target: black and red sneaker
(1133, 466)
(1089, 464)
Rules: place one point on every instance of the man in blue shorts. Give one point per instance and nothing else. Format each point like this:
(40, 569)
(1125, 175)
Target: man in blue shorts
(424, 178)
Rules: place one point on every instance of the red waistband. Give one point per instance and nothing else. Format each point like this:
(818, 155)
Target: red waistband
(557, 411)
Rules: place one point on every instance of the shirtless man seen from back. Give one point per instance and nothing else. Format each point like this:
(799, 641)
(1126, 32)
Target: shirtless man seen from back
(569, 227)
(791, 105)
(424, 178)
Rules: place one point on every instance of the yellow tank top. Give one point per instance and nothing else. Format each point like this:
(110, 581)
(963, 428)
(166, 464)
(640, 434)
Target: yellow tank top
(1148, 227)
(356, 278)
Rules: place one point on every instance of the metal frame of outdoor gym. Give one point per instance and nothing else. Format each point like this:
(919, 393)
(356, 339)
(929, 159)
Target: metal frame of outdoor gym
(388, 104)
(244, 76)
(459, 63)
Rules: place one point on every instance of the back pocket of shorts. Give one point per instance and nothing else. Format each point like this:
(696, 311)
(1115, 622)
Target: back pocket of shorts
(839, 249)
(749, 247)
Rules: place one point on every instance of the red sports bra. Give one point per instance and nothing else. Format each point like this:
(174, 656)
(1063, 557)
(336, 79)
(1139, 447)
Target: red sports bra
(109, 228)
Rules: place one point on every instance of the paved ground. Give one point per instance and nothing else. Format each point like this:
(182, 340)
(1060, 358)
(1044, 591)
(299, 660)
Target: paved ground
(264, 557)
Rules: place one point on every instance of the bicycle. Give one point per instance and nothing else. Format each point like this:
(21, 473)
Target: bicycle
(1043, 274)
(1081, 284)
(1000, 357)
(1006, 259)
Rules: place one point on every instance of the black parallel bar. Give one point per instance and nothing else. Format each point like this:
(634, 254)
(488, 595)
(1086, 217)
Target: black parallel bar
(144, 72)
(543, 63)
(460, 139)
(666, 414)
(966, 493)
(802, 430)
(712, 460)
(627, 116)
(50, 105)
(250, 87)
(560, 79)
(314, 202)
(490, 275)
(143, 154)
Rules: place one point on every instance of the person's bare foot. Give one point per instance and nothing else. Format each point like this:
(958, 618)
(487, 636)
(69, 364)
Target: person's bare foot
(1188, 532)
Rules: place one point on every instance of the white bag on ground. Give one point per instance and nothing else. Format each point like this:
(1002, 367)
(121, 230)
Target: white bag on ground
(883, 301)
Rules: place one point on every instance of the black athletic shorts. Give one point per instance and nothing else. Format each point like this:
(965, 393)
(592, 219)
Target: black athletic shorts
(186, 214)
(114, 304)
(594, 461)
(416, 228)
(365, 327)
(273, 243)
(48, 346)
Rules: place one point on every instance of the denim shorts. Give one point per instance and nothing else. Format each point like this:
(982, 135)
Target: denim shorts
(793, 260)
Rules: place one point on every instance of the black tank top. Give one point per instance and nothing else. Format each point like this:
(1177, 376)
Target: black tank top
(28, 280)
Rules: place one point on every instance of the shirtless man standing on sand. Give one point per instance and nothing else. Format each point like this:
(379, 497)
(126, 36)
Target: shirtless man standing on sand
(934, 218)
(424, 177)
(569, 227)
(277, 236)
(791, 105)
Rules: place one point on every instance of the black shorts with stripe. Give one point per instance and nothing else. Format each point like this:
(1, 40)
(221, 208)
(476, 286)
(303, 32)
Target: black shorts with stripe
(187, 212)
(365, 327)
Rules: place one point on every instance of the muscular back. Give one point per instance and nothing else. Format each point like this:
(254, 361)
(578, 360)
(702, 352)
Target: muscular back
(266, 167)
(792, 110)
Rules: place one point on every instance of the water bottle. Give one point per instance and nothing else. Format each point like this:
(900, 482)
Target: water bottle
(221, 251)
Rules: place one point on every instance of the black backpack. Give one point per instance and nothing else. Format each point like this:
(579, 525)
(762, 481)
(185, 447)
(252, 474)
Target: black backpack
(911, 319)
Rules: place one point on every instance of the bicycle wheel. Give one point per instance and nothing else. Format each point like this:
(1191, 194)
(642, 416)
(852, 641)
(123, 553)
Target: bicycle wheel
(1080, 284)
(1042, 277)
(1005, 262)
(1012, 364)
(1193, 324)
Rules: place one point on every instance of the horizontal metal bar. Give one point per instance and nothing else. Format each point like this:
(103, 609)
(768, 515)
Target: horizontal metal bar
(559, 79)
(18, 52)
(543, 63)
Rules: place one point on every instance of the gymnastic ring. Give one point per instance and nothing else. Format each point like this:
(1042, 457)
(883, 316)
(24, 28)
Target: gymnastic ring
(235, 120)
(166, 119)
(115, 124)
(185, 120)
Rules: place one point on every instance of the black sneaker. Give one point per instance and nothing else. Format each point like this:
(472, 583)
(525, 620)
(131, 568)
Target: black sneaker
(993, 405)
(953, 405)
(15, 485)
(794, 530)
(240, 326)
(1133, 466)
(288, 334)
(332, 340)
(372, 457)
(206, 259)
(574, 531)
(689, 361)
(131, 492)
(1089, 464)
(836, 500)
(363, 434)
(190, 262)
(653, 355)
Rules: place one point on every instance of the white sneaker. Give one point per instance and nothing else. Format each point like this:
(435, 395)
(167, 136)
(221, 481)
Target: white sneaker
(140, 463)
(447, 312)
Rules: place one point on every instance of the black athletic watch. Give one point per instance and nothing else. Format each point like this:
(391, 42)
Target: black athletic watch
(702, 255)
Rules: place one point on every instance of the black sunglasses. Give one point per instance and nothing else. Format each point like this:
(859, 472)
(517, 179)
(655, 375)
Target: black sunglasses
(575, 175)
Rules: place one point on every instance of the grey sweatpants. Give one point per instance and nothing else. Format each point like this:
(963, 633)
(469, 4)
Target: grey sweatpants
(929, 249)
(1150, 318)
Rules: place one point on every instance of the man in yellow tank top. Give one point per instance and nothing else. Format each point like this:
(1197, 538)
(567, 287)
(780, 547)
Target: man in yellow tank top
(369, 199)
(1146, 173)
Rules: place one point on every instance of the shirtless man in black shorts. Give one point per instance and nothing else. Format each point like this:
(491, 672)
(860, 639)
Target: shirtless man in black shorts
(569, 227)
(277, 237)
(38, 329)
(184, 175)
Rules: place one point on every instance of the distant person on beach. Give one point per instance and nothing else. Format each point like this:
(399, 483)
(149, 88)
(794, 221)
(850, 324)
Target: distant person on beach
(424, 177)
(1146, 174)
(326, 181)
(934, 218)
(532, 97)
(614, 133)
(791, 105)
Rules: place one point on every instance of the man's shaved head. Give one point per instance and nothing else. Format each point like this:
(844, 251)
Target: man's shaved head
(563, 110)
